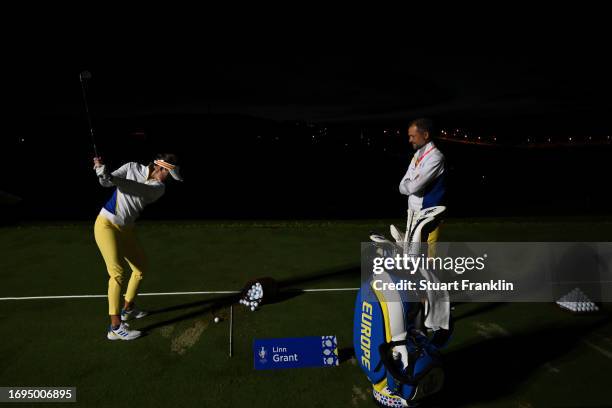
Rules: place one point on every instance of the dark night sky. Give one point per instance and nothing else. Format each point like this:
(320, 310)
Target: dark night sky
(562, 79)
(536, 75)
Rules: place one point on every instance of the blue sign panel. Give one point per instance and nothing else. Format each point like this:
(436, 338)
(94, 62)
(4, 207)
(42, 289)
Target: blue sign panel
(295, 352)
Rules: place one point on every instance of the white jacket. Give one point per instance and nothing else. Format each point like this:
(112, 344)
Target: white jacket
(426, 167)
(134, 190)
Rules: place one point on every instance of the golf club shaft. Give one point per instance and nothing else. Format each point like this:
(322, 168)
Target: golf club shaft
(408, 226)
(91, 131)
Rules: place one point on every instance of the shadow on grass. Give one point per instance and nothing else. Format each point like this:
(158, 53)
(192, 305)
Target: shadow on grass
(201, 307)
(322, 276)
(283, 296)
(193, 304)
(287, 291)
(495, 368)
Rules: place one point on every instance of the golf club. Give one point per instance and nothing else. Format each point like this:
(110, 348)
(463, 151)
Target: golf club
(396, 234)
(379, 238)
(410, 214)
(83, 77)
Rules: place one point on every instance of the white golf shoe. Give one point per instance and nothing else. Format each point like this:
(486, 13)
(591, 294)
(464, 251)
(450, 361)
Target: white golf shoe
(123, 332)
(133, 313)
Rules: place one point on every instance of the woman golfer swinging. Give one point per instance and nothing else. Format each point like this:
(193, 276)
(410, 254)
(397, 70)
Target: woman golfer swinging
(135, 187)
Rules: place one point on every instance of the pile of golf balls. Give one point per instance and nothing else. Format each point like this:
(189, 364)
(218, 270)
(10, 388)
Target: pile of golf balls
(577, 301)
(253, 297)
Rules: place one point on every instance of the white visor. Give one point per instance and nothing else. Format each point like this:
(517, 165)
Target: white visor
(173, 169)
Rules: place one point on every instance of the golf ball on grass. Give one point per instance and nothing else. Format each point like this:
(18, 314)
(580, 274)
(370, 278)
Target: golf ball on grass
(216, 319)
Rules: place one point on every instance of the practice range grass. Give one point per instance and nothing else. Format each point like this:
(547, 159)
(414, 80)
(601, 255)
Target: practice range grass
(501, 355)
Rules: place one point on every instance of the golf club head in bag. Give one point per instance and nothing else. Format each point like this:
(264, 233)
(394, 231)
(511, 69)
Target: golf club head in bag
(384, 247)
(420, 220)
(418, 225)
(397, 234)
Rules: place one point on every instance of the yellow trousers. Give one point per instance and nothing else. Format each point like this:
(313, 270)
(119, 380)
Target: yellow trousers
(432, 240)
(117, 244)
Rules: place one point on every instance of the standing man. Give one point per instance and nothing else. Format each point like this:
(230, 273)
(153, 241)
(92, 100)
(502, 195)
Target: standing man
(135, 186)
(424, 182)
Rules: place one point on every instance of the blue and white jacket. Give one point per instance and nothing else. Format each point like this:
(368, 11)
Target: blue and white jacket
(424, 182)
(133, 191)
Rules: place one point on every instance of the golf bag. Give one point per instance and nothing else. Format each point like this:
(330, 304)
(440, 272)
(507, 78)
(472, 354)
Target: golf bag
(391, 341)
